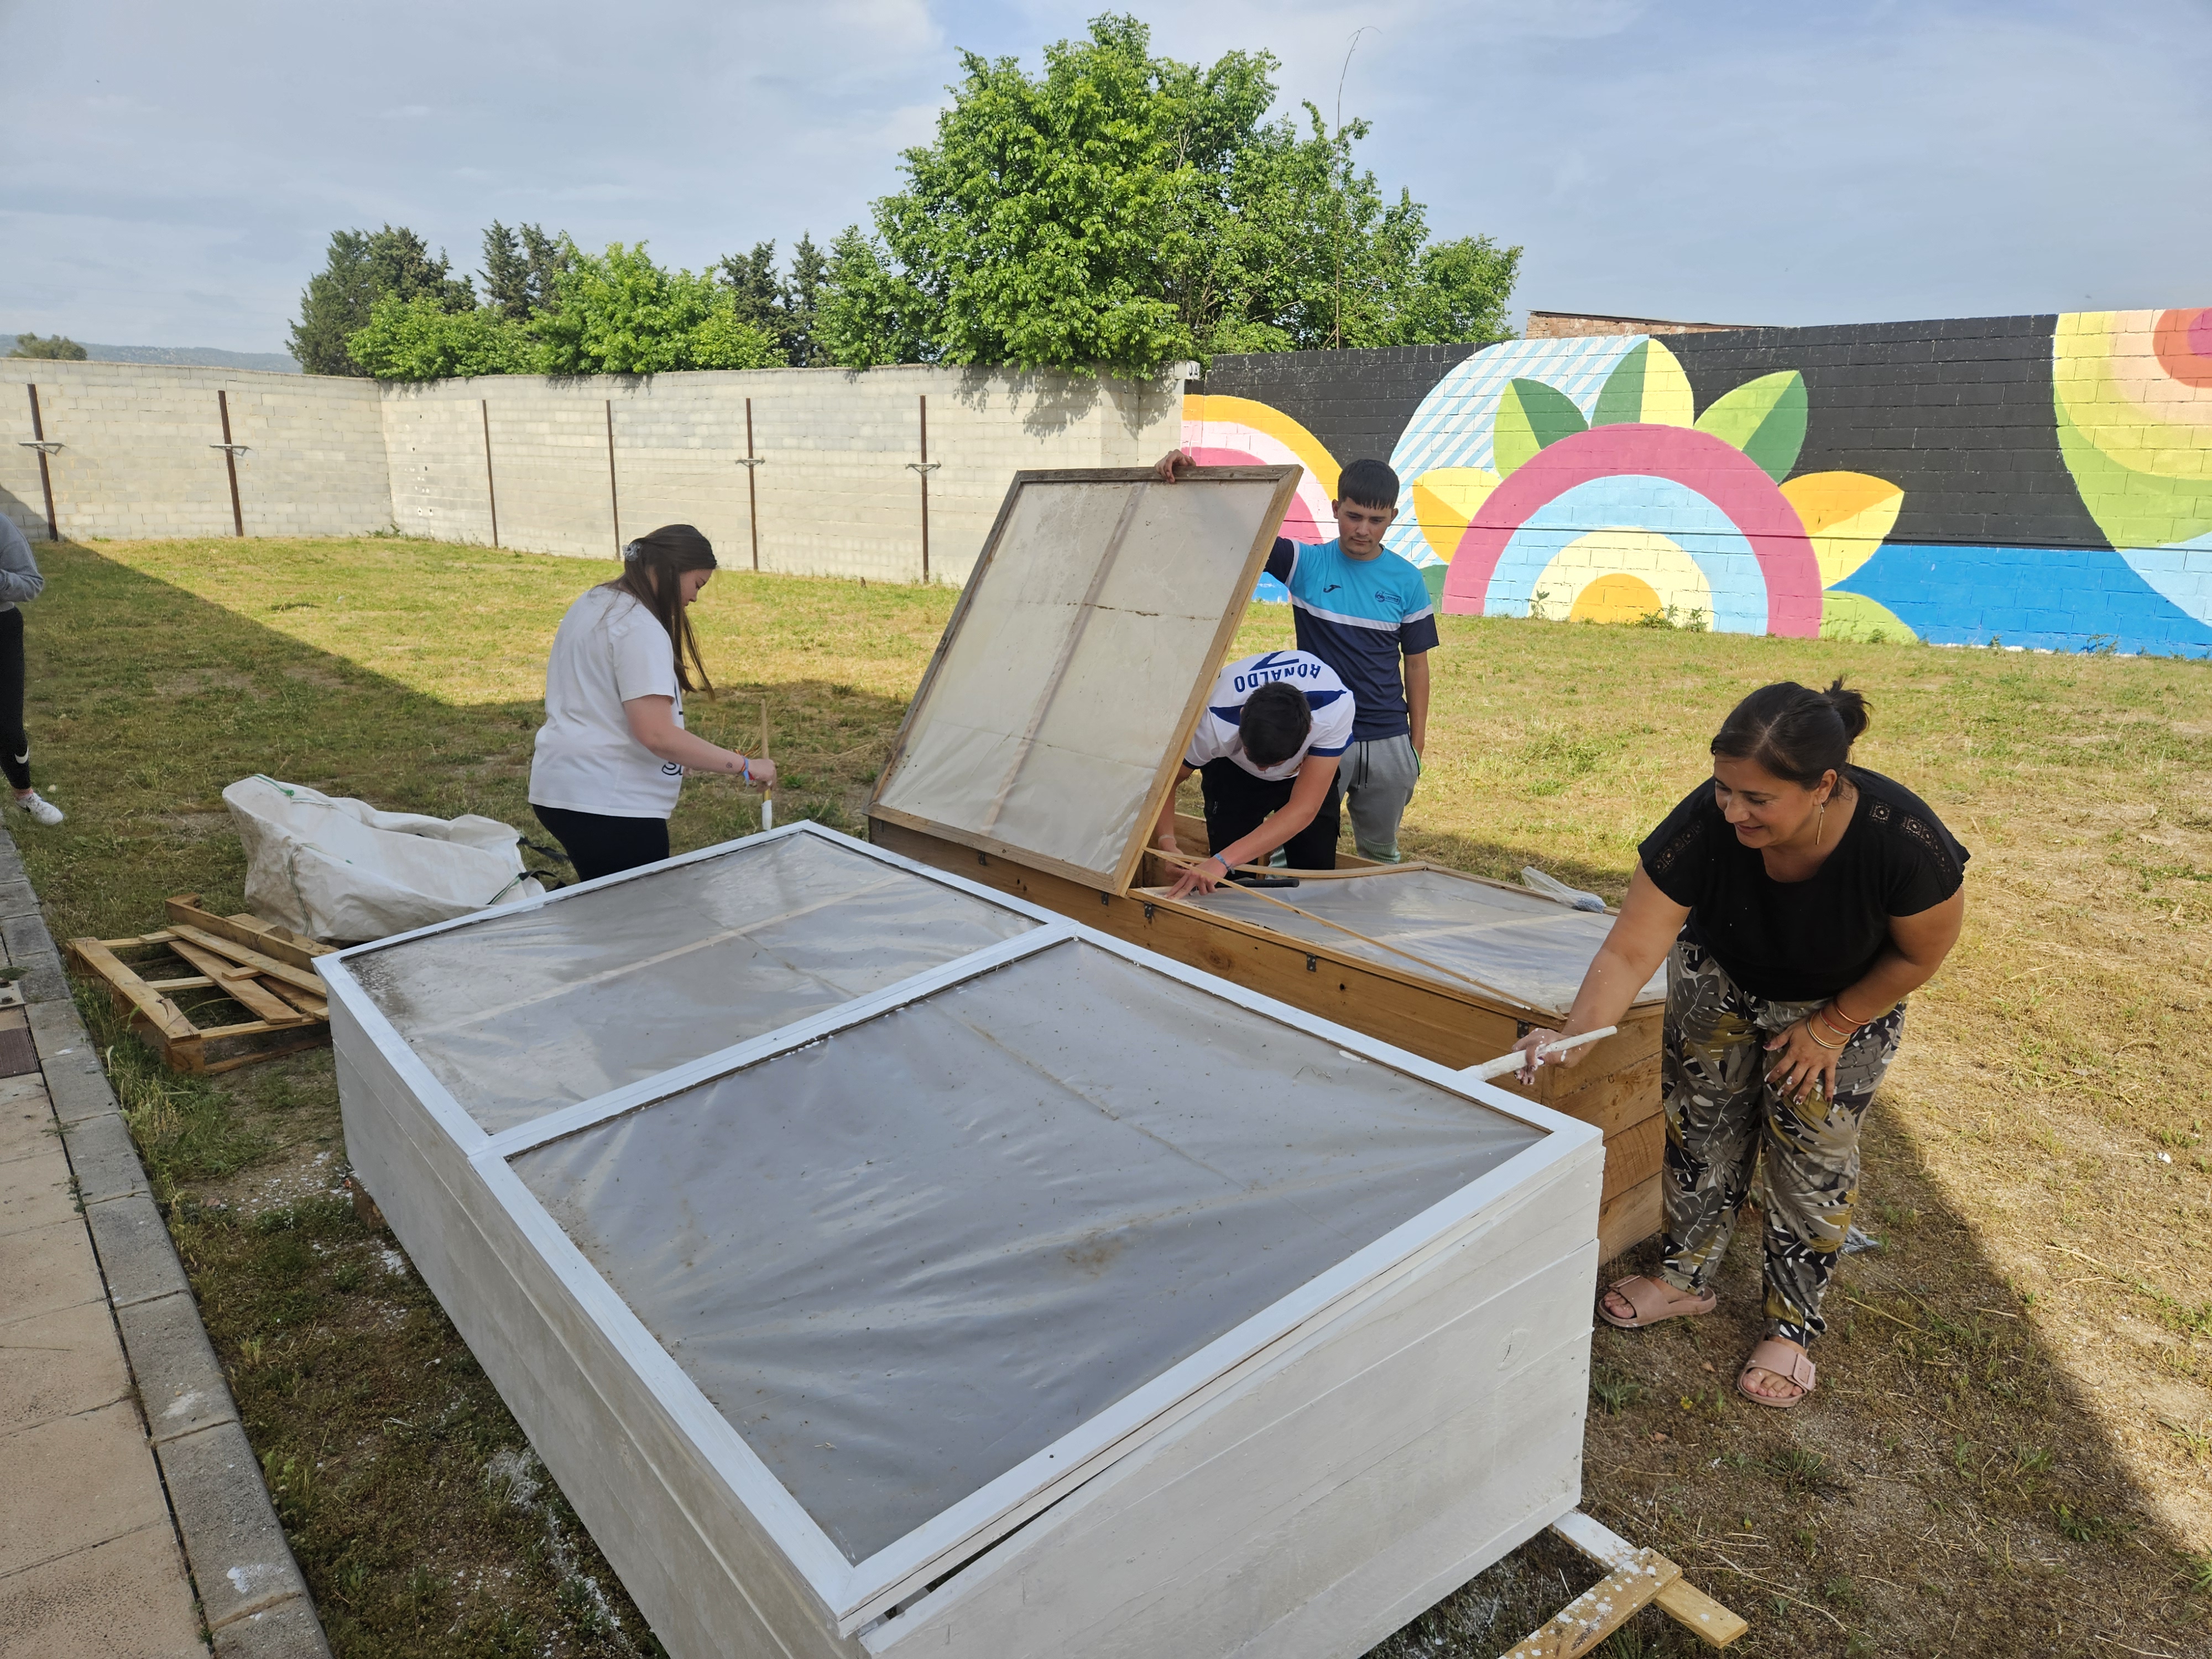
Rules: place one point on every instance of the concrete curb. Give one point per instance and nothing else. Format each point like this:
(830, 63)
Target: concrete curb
(251, 1595)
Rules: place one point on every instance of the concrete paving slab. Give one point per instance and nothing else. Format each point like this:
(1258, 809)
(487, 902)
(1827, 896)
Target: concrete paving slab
(103, 1159)
(124, 1599)
(74, 1078)
(35, 1192)
(17, 899)
(135, 1255)
(27, 1121)
(238, 1550)
(181, 1387)
(59, 1365)
(48, 1268)
(75, 1481)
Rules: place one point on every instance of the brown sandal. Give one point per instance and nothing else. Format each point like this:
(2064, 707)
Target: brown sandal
(1646, 1298)
(1792, 1364)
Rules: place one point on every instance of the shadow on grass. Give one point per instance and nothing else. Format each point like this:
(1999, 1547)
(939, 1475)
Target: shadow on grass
(1945, 1490)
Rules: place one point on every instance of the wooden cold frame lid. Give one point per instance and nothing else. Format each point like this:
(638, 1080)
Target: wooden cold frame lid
(1048, 724)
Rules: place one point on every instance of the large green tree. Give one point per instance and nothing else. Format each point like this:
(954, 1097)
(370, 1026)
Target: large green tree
(55, 348)
(522, 265)
(362, 267)
(1124, 210)
(619, 313)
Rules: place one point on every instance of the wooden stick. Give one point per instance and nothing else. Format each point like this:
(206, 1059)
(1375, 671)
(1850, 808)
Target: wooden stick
(1433, 967)
(1504, 1063)
(240, 985)
(1599, 1611)
(162, 1014)
(1681, 1601)
(267, 967)
(264, 936)
(768, 790)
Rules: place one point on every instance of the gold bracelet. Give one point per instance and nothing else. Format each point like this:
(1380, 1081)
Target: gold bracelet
(1831, 1047)
(1837, 1003)
(1846, 1032)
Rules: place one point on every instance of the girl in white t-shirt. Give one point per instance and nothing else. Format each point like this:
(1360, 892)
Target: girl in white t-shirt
(612, 756)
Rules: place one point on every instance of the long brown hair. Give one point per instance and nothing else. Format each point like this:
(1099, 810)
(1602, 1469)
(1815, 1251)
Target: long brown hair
(653, 570)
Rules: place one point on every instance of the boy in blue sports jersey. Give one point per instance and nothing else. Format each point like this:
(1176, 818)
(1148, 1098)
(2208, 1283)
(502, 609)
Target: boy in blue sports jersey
(1360, 609)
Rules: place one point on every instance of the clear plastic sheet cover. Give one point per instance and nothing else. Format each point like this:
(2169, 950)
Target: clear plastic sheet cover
(1126, 585)
(1528, 946)
(522, 1014)
(903, 1259)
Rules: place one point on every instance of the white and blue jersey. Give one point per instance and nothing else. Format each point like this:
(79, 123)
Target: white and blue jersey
(1357, 615)
(1218, 737)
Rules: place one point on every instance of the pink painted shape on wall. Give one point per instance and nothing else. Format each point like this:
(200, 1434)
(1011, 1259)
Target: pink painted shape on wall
(1298, 524)
(1719, 472)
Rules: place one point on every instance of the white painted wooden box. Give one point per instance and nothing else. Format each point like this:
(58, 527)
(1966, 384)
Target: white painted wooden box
(881, 1264)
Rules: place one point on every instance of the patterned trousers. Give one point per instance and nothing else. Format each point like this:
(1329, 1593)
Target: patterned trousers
(1722, 1114)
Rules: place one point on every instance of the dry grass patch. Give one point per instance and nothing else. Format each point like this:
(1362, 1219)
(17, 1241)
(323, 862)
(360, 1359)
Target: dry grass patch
(2011, 1448)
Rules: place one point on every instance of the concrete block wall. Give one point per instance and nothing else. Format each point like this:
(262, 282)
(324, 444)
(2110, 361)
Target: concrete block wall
(135, 456)
(837, 493)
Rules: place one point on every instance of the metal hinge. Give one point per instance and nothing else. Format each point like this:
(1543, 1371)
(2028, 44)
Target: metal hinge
(1313, 964)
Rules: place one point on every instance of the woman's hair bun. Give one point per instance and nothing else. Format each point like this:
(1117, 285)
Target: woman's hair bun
(1851, 707)
(1793, 731)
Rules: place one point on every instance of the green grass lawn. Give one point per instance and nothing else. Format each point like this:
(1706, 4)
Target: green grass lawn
(2011, 1448)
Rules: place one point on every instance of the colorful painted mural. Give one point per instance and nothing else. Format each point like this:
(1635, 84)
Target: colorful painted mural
(2039, 482)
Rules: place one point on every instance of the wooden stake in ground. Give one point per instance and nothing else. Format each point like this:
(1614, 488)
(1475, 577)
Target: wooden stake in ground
(768, 790)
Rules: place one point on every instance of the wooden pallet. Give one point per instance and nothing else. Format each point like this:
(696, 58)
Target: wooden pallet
(266, 969)
(1634, 1579)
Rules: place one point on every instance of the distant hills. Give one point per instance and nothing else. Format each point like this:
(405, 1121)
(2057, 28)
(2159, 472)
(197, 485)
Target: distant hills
(183, 356)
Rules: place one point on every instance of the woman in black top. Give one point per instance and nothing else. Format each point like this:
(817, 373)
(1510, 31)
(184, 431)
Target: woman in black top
(1796, 900)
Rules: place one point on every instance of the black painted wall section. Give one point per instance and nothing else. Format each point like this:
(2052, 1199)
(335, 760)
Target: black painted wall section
(1357, 403)
(1956, 412)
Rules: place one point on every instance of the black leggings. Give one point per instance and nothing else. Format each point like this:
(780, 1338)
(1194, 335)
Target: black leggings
(15, 742)
(1236, 803)
(598, 845)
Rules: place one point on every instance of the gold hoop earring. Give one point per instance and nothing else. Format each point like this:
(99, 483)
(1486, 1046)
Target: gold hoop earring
(1821, 826)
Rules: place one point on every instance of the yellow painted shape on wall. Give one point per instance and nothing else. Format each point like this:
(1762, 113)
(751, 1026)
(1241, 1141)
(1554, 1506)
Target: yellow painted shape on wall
(1446, 500)
(1313, 454)
(1619, 598)
(1847, 516)
(1666, 578)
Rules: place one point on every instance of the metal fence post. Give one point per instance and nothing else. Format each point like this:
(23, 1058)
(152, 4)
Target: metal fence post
(45, 479)
(491, 489)
(751, 465)
(925, 466)
(231, 451)
(614, 500)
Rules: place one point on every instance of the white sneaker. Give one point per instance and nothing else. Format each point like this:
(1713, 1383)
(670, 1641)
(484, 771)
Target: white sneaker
(41, 810)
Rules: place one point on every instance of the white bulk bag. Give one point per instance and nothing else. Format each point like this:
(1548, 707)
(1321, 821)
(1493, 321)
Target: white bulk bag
(335, 868)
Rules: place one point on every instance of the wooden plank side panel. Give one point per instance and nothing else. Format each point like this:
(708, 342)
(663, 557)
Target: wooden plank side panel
(131, 991)
(1631, 1216)
(238, 984)
(705, 1577)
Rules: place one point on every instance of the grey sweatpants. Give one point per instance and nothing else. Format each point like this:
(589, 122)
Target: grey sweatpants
(1378, 776)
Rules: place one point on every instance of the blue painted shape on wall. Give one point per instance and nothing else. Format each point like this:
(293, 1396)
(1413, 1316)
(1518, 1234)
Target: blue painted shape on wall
(2059, 599)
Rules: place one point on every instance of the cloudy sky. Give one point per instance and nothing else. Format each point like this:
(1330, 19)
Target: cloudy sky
(169, 175)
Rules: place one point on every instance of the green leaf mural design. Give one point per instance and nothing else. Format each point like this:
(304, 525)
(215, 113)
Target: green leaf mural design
(1647, 385)
(1531, 414)
(1764, 418)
